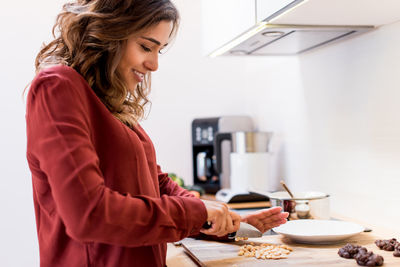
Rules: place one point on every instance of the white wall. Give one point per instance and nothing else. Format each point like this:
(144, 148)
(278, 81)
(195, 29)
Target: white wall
(24, 26)
(334, 112)
(338, 116)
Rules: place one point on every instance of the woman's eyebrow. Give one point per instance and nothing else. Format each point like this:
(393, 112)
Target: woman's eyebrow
(153, 40)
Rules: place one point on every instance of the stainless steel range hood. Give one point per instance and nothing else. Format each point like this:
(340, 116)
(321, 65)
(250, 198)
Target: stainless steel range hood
(275, 39)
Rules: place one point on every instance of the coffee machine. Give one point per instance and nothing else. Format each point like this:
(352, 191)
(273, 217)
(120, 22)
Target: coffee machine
(205, 173)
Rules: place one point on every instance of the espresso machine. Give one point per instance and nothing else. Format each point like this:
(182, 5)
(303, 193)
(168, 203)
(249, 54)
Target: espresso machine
(205, 173)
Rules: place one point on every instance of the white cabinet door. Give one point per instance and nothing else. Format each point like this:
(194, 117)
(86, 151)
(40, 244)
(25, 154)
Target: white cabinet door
(223, 20)
(343, 12)
(266, 8)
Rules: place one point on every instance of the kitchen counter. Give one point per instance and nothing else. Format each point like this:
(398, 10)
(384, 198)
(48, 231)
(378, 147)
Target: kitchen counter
(221, 254)
(242, 205)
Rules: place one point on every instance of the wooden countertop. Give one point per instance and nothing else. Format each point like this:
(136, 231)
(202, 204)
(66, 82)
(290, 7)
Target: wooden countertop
(220, 254)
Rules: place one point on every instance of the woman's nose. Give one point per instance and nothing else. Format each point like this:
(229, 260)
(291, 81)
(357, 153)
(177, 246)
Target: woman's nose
(152, 63)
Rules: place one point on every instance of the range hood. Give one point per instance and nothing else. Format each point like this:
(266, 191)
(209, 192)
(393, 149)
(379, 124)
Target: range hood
(303, 25)
(274, 39)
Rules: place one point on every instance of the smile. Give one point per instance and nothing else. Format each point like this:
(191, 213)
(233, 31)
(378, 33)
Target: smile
(138, 75)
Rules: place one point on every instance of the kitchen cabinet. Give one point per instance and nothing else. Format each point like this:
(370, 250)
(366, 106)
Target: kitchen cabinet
(223, 20)
(266, 8)
(342, 12)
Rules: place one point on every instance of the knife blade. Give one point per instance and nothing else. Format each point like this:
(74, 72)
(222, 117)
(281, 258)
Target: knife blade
(245, 230)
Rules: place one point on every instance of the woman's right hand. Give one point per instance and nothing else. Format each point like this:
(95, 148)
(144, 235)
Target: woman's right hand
(221, 219)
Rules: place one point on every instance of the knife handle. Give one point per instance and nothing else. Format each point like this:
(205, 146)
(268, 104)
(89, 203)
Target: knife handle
(207, 225)
(232, 235)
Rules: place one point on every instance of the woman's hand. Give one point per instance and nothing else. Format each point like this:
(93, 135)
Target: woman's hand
(266, 219)
(222, 220)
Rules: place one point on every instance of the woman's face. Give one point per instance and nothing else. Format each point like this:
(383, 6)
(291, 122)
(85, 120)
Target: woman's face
(140, 55)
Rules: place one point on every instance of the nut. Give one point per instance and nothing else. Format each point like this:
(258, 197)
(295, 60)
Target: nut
(265, 251)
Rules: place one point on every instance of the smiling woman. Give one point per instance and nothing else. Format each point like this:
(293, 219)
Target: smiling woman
(96, 35)
(100, 198)
(141, 52)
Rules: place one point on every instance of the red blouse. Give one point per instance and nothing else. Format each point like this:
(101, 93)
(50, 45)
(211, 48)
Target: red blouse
(100, 198)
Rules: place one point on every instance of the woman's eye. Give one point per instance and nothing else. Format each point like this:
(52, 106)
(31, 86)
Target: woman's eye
(145, 48)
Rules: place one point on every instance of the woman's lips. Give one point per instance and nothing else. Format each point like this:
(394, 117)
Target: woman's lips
(138, 75)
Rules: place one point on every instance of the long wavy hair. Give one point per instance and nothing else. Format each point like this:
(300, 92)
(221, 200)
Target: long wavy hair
(91, 35)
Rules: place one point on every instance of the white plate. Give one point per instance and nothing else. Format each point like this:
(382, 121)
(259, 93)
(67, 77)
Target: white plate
(318, 231)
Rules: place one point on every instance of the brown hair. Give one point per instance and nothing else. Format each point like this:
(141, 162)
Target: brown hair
(92, 35)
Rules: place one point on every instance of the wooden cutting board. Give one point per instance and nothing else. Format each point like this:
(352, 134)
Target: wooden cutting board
(213, 253)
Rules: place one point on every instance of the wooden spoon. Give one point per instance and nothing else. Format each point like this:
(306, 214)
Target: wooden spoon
(287, 189)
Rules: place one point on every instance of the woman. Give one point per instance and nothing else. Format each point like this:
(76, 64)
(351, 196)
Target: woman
(100, 198)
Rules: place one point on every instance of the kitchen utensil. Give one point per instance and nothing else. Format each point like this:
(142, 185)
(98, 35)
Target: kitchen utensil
(314, 204)
(248, 230)
(301, 206)
(287, 189)
(318, 231)
(245, 230)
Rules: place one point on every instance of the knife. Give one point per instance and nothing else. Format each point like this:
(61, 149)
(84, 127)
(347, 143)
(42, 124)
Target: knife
(245, 230)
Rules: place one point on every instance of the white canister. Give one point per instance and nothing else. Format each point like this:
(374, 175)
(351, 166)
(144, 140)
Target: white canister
(250, 171)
